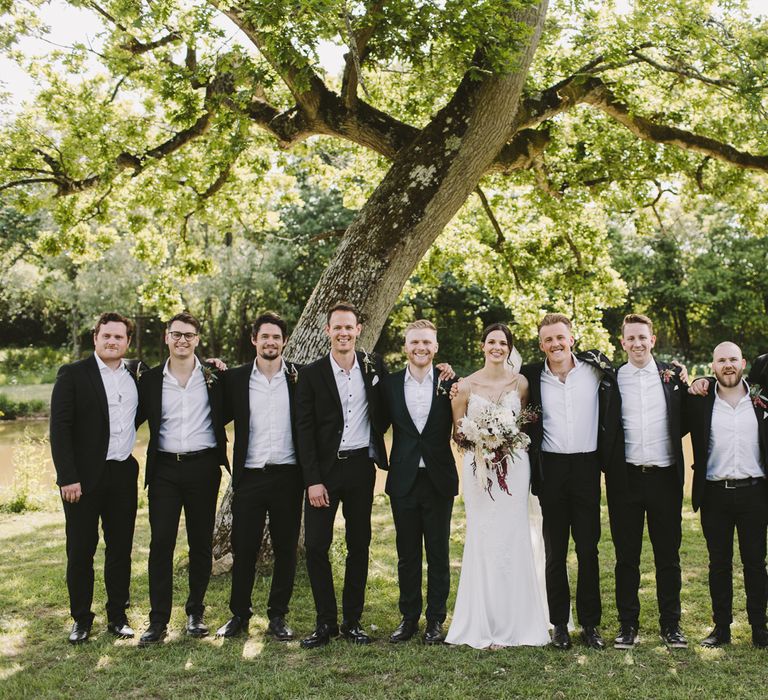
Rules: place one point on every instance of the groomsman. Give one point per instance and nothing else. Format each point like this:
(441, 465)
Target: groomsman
(729, 431)
(182, 401)
(266, 478)
(339, 428)
(422, 481)
(578, 398)
(646, 479)
(93, 412)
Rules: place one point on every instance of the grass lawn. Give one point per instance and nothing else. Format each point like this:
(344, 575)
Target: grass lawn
(37, 662)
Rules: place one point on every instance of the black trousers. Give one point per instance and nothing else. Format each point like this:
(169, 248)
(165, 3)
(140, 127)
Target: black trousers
(194, 486)
(423, 515)
(350, 484)
(658, 496)
(570, 505)
(746, 510)
(273, 491)
(113, 500)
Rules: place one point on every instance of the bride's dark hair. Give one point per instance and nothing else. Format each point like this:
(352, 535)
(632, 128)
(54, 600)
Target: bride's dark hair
(504, 328)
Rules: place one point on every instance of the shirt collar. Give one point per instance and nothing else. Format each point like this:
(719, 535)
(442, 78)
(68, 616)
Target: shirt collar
(338, 368)
(102, 366)
(257, 371)
(428, 378)
(743, 398)
(645, 368)
(167, 372)
(576, 364)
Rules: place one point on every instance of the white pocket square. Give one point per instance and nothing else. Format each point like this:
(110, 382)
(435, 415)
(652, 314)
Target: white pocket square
(765, 415)
(676, 387)
(375, 380)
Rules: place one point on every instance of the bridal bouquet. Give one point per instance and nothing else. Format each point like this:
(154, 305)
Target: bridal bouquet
(493, 435)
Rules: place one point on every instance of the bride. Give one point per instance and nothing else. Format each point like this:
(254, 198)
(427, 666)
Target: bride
(501, 600)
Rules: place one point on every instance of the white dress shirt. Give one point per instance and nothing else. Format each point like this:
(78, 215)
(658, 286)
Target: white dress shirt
(185, 421)
(734, 442)
(570, 409)
(418, 399)
(354, 406)
(122, 400)
(270, 440)
(644, 416)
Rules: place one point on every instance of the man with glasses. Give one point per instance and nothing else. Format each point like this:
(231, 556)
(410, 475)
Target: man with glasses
(182, 401)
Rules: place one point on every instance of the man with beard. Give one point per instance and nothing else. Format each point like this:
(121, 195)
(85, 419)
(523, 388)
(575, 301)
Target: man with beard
(729, 432)
(266, 479)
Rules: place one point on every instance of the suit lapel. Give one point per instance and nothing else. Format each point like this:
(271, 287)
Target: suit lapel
(326, 369)
(761, 413)
(94, 374)
(400, 396)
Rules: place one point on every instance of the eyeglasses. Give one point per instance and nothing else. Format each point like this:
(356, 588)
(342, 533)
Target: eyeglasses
(177, 335)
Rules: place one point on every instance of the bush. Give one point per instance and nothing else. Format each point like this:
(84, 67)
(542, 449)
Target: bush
(10, 409)
(31, 365)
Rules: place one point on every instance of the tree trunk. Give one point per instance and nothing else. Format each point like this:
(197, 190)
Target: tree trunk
(427, 184)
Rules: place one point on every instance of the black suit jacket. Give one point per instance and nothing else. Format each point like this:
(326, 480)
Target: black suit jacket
(151, 410)
(237, 407)
(609, 418)
(319, 419)
(675, 393)
(758, 372)
(409, 446)
(79, 423)
(700, 420)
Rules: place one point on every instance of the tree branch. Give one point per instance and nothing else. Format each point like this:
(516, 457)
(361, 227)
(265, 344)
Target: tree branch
(499, 246)
(358, 50)
(687, 72)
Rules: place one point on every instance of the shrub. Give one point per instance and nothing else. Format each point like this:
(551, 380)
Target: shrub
(31, 365)
(10, 409)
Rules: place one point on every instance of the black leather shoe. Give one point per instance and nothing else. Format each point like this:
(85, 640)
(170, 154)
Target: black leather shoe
(591, 637)
(196, 627)
(434, 632)
(234, 627)
(80, 633)
(718, 637)
(320, 637)
(279, 631)
(351, 631)
(560, 637)
(156, 633)
(760, 636)
(404, 631)
(626, 638)
(673, 637)
(121, 630)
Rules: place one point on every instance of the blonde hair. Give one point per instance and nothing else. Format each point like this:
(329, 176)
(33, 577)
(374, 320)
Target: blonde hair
(637, 318)
(552, 319)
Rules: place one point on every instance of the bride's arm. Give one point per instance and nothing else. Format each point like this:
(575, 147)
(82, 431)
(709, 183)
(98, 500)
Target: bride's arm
(522, 389)
(459, 405)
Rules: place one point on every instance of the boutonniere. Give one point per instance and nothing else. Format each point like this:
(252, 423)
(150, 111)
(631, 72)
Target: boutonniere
(440, 389)
(759, 400)
(597, 359)
(209, 375)
(291, 373)
(667, 375)
(137, 372)
(368, 364)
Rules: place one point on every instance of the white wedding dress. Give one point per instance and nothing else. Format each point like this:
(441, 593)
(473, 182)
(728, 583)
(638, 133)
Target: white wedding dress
(502, 599)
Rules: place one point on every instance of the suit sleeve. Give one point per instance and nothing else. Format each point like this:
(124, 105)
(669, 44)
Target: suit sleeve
(62, 427)
(305, 430)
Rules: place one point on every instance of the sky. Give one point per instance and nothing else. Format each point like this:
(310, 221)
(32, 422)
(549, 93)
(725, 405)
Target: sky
(71, 24)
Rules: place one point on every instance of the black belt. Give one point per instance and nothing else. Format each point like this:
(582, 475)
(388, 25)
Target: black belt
(737, 483)
(186, 456)
(358, 452)
(271, 467)
(647, 468)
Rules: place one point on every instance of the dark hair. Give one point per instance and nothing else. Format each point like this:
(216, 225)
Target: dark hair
(342, 306)
(269, 317)
(114, 317)
(504, 328)
(184, 317)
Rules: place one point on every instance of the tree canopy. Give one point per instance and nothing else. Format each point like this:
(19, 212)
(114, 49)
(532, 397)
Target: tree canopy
(530, 132)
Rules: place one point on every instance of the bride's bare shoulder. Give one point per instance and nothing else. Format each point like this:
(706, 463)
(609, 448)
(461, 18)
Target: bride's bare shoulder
(522, 383)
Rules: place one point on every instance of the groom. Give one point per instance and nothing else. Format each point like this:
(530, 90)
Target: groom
(578, 399)
(422, 481)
